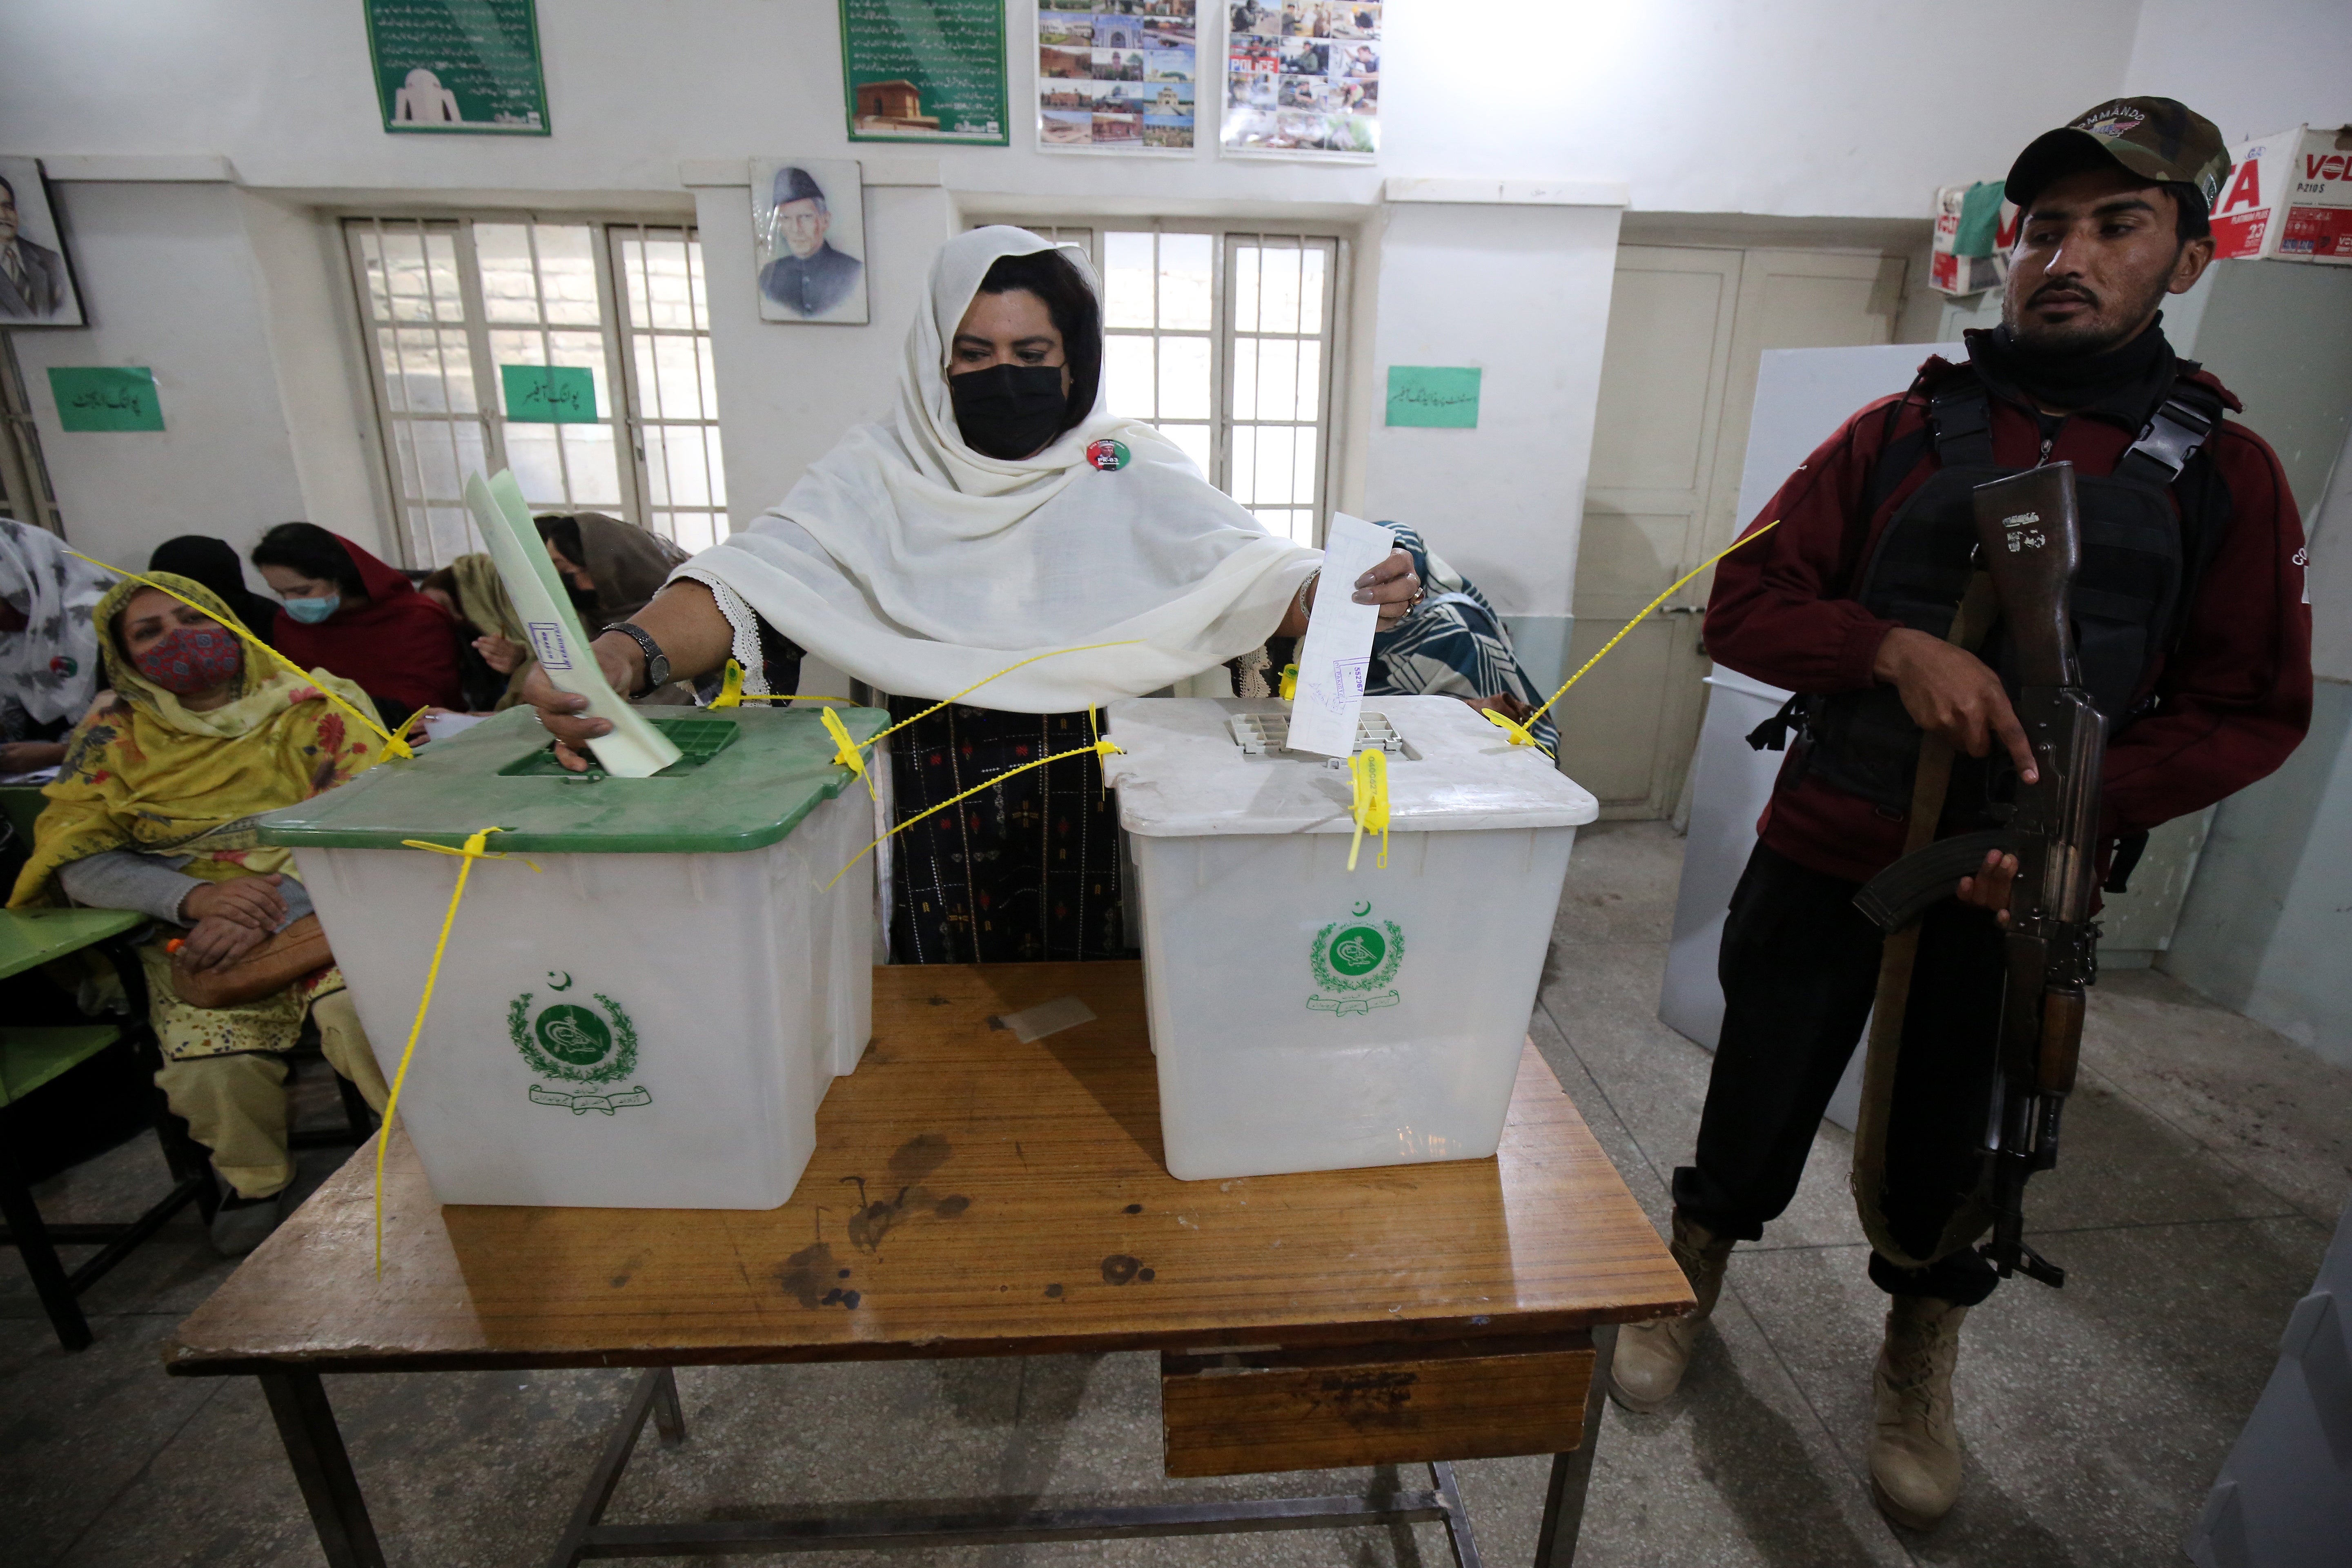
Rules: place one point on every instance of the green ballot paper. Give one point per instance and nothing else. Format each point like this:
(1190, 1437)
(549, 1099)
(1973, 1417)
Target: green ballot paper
(635, 750)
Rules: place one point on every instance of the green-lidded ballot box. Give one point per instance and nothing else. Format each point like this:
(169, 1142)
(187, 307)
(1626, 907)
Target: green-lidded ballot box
(650, 1020)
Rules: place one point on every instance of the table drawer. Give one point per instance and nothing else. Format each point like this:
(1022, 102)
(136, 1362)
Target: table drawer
(1248, 1411)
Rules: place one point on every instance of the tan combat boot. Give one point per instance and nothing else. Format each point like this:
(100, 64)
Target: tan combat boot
(1915, 1454)
(1651, 1356)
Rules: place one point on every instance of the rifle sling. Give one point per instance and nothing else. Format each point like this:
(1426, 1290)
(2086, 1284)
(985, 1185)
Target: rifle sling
(1971, 624)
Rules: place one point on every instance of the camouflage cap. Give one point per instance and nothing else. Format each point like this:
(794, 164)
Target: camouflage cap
(2159, 139)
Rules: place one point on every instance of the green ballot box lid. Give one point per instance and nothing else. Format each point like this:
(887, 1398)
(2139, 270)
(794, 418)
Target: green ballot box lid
(747, 778)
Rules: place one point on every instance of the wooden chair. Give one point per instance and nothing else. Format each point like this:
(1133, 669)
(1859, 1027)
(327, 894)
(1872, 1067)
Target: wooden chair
(32, 1057)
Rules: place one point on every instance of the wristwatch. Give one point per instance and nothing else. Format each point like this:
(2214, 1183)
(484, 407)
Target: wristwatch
(657, 661)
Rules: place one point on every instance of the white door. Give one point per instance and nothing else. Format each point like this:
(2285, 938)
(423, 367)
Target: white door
(1686, 329)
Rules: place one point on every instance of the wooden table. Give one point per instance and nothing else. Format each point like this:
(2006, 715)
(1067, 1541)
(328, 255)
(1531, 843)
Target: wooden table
(970, 1195)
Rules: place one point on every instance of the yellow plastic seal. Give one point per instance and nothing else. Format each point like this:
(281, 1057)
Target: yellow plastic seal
(1367, 779)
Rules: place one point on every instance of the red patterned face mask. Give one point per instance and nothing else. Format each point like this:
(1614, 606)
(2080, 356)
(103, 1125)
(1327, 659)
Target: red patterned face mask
(190, 659)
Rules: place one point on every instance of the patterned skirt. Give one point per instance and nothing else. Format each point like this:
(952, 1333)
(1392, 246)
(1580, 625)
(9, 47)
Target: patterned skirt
(1023, 872)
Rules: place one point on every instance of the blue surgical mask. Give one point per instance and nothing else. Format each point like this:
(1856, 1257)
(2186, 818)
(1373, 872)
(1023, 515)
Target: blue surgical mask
(310, 612)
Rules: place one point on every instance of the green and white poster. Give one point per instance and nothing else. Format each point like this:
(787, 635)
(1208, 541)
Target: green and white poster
(924, 70)
(458, 66)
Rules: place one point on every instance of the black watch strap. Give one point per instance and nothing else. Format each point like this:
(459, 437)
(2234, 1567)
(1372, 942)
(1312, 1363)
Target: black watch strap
(657, 661)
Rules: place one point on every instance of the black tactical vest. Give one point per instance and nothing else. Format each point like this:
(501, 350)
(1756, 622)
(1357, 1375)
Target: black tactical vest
(2141, 557)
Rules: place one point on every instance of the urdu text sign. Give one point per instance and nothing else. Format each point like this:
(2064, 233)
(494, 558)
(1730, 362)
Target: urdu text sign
(106, 397)
(1445, 397)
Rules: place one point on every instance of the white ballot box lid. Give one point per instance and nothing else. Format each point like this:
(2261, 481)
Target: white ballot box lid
(1183, 770)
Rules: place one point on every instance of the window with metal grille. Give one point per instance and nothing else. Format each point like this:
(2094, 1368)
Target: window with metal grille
(1225, 339)
(451, 306)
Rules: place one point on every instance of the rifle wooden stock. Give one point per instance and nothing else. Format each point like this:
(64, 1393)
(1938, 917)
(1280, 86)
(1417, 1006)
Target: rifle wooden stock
(2028, 534)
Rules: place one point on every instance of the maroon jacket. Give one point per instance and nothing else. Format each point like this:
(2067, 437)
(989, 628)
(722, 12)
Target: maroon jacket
(2235, 697)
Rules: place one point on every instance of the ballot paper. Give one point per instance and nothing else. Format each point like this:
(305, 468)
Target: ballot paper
(634, 748)
(1338, 648)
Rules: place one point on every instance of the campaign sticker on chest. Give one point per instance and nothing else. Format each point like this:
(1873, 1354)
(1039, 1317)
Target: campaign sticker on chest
(1108, 456)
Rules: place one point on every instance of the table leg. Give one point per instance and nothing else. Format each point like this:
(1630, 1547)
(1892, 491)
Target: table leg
(315, 1448)
(1457, 1516)
(668, 1419)
(1563, 1515)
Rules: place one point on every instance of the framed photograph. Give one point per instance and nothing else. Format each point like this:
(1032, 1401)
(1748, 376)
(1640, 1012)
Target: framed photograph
(808, 222)
(37, 285)
(1117, 78)
(1303, 79)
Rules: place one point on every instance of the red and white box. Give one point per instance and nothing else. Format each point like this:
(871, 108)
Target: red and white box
(2288, 198)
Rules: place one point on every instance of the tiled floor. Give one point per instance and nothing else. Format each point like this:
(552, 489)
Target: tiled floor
(2207, 1160)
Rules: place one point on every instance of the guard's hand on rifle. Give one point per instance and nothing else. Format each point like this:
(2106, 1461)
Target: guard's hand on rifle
(1989, 889)
(1949, 691)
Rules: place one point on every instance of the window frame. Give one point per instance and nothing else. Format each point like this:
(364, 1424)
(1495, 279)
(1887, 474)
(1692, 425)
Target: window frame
(1224, 236)
(624, 418)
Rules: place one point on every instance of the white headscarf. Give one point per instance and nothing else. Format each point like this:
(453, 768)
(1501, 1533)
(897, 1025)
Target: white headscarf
(919, 565)
(49, 669)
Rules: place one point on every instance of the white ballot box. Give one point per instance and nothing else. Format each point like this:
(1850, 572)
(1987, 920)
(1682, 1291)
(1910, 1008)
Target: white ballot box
(648, 1020)
(1307, 1017)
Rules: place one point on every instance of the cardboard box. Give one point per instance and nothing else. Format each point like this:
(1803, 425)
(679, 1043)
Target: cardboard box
(2288, 198)
(1974, 230)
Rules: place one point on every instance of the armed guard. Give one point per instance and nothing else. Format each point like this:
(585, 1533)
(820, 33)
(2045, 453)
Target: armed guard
(2190, 638)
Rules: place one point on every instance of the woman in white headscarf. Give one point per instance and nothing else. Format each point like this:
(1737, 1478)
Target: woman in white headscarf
(999, 513)
(49, 648)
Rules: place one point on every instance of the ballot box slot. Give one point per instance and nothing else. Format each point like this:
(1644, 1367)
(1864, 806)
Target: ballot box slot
(698, 739)
(1266, 735)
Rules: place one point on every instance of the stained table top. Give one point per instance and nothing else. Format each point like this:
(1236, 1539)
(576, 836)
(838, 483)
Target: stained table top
(968, 1195)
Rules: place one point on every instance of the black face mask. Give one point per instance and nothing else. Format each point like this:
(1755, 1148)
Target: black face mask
(1009, 410)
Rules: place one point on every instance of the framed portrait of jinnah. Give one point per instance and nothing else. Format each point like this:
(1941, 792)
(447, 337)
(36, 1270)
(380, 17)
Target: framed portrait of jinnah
(36, 286)
(808, 227)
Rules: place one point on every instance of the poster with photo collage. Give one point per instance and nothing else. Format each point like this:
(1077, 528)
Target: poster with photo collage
(1303, 76)
(1118, 77)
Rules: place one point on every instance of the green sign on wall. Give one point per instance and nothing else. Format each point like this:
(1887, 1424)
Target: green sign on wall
(106, 397)
(463, 67)
(924, 70)
(549, 393)
(1443, 397)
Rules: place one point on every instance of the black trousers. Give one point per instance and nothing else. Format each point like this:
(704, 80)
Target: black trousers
(1800, 969)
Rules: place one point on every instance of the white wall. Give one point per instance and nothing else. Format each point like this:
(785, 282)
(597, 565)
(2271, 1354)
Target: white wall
(1769, 106)
(1522, 293)
(168, 276)
(2251, 69)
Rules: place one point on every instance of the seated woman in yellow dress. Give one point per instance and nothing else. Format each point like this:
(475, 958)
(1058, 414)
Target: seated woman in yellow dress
(152, 811)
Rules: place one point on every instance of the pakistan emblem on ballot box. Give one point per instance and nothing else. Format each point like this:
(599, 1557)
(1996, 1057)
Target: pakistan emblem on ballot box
(1358, 958)
(576, 1044)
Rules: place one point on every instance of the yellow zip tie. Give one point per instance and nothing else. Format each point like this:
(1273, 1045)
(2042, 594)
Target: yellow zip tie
(732, 695)
(1639, 617)
(1367, 787)
(1103, 783)
(1290, 682)
(731, 688)
(846, 751)
(1056, 653)
(1100, 749)
(472, 852)
(1517, 732)
(393, 744)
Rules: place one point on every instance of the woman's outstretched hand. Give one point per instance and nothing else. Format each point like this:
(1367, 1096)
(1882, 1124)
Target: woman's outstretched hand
(564, 714)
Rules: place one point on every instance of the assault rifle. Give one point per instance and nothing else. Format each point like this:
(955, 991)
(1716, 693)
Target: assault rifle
(2029, 540)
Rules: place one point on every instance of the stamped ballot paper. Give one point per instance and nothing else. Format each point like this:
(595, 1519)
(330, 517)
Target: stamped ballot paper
(634, 748)
(1338, 648)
